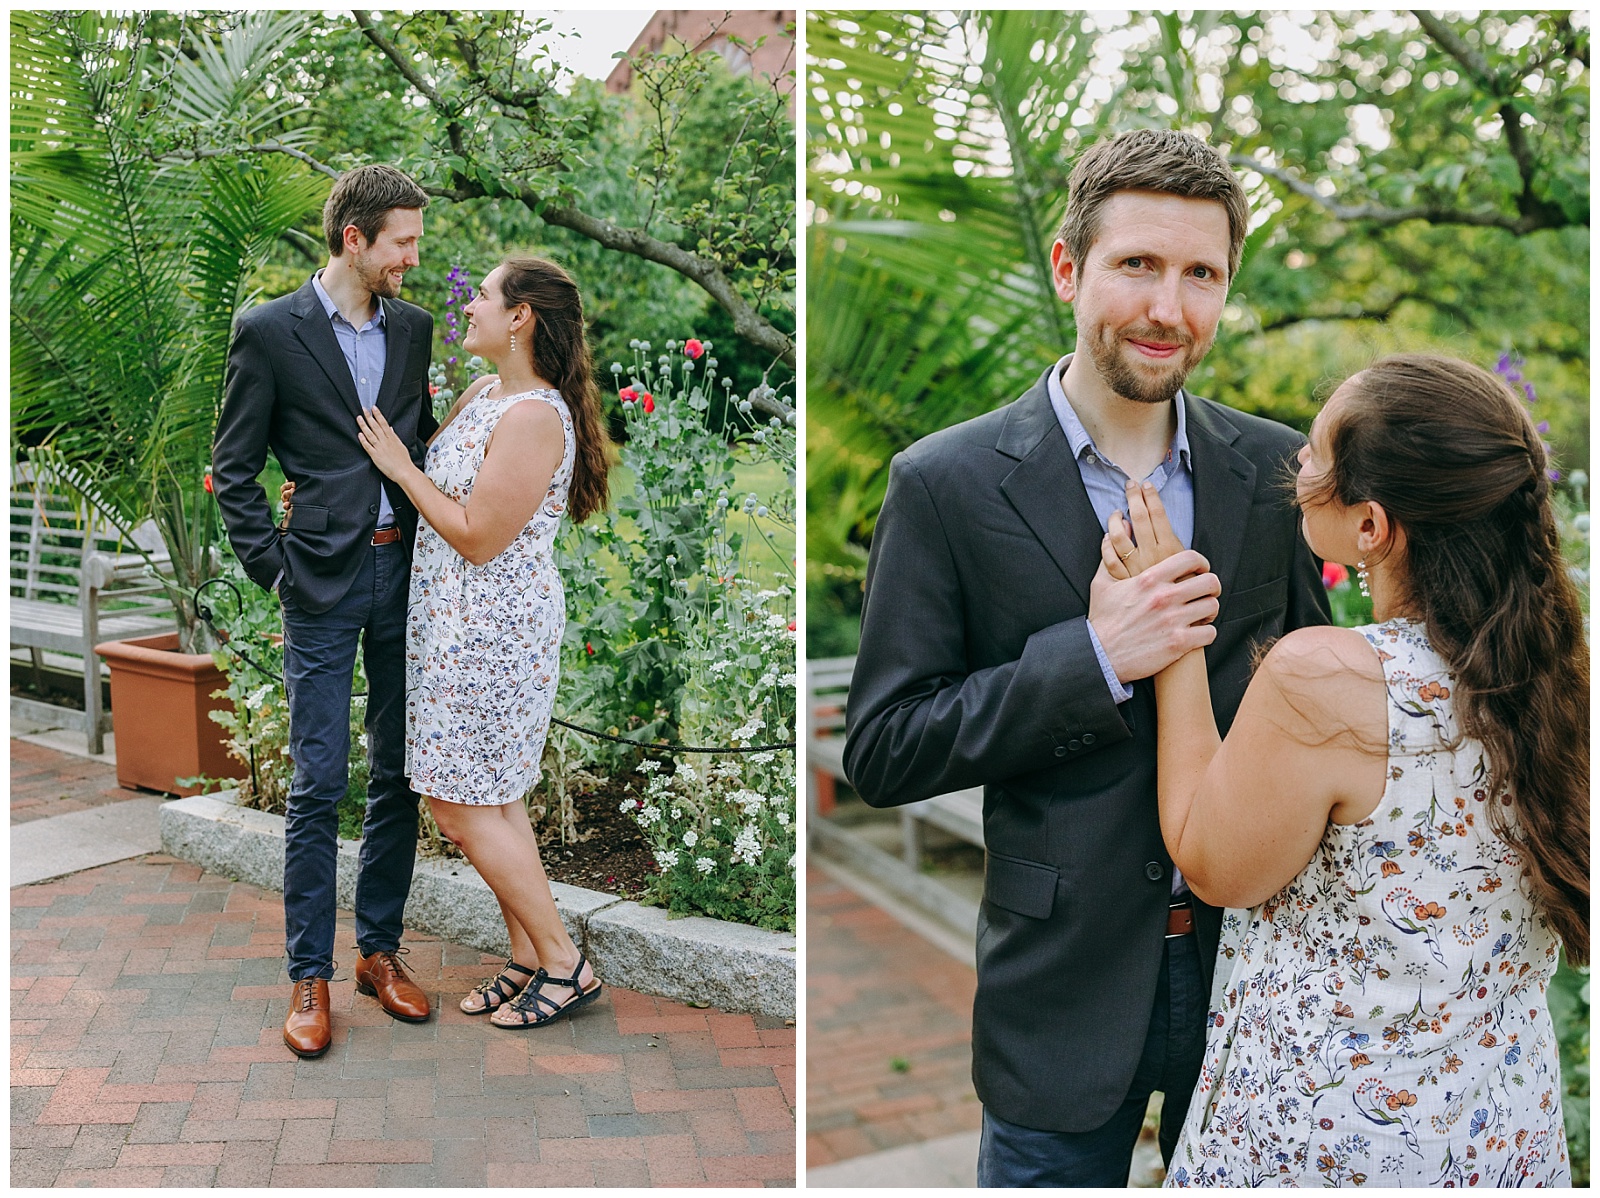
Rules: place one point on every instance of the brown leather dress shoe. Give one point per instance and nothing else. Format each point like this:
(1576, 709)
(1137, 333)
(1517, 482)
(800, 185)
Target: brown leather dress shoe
(309, 1028)
(383, 975)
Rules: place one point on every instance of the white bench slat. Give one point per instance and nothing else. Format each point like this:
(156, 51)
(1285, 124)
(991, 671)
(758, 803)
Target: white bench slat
(59, 548)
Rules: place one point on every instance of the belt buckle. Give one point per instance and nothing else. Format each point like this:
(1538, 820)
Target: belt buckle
(387, 535)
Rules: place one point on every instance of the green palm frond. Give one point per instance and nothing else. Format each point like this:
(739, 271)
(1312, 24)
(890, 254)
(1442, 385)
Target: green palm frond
(126, 270)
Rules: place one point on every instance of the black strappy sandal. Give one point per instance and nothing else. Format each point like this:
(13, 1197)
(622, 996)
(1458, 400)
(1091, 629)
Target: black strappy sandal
(501, 987)
(528, 1006)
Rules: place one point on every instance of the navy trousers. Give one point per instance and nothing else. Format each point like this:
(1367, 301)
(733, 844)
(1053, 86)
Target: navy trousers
(1013, 1157)
(319, 654)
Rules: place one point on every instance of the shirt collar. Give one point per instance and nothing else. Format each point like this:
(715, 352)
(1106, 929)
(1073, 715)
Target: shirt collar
(332, 309)
(1078, 437)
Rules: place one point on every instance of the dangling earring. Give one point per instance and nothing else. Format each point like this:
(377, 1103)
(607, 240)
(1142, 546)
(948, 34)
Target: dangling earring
(1361, 579)
(513, 343)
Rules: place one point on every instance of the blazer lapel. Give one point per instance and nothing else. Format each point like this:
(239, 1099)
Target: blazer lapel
(1046, 488)
(397, 344)
(1224, 486)
(315, 332)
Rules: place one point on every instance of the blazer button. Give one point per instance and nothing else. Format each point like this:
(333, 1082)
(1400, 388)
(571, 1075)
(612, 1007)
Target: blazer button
(1088, 738)
(1074, 745)
(1061, 750)
(372, 509)
(1153, 870)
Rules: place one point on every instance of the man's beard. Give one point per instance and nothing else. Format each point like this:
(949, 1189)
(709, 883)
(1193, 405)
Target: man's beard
(1127, 381)
(376, 280)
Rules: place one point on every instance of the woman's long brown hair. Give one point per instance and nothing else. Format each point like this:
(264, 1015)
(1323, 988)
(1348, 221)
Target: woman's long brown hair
(1455, 461)
(561, 354)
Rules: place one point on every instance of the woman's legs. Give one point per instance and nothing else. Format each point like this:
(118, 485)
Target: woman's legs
(501, 845)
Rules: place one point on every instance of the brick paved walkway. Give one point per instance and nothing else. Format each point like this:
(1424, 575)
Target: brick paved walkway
(147, 1003)
(878, 994)
(45, 782)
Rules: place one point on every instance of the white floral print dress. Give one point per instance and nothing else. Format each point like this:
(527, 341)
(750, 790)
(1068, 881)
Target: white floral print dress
(1382, 1020)
(483, 643)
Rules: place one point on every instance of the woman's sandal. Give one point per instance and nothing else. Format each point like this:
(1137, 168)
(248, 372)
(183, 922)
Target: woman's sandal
(527, 1004)
(498, 990)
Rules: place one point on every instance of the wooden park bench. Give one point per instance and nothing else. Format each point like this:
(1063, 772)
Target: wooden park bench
(959, 813)
(76, 581)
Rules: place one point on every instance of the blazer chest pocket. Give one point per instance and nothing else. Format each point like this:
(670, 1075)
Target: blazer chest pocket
(1243, 605)
(1026, 887)
(307, 517)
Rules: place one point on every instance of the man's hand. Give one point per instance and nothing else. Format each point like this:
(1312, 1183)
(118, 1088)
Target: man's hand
(1145, 623)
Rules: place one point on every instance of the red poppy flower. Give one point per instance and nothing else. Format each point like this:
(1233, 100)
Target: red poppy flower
(433, 389)
(791, 625)
(627, 395)
(692, 348)
(589, 645)
(1334, 575)
(649, 402)
(209, 491)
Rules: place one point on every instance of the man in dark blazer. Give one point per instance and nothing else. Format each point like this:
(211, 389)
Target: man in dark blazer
(299, 370)
(996, 650)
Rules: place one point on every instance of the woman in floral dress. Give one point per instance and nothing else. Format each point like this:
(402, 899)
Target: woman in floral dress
(520, 450)
(1398, 816)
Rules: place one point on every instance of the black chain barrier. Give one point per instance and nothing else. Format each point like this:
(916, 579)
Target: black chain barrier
(223, 638)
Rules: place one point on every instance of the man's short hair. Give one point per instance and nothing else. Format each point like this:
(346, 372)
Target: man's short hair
(1162, 160)
(364, 197)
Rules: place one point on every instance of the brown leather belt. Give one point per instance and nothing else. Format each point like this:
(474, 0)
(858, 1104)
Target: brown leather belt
(386, 536)
(1180, 919)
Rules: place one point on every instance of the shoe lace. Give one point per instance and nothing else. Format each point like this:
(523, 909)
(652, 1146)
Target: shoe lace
(307, 993)
(391, 958)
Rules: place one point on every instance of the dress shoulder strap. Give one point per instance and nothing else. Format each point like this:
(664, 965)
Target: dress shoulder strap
(1419, 684)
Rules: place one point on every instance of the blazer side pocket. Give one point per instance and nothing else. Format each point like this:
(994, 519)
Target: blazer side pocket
(1025, 887)
(306, 517)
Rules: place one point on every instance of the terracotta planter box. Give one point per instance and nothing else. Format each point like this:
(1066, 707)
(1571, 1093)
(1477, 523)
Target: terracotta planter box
(160, 700)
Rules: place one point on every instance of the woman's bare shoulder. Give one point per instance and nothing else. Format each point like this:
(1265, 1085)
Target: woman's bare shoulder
(1322, 652)
(1326, 678)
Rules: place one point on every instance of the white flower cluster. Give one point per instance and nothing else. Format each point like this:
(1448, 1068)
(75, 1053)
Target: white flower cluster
(747, 846)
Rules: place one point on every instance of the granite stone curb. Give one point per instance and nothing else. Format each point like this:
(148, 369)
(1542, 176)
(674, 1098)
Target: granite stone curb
(695, 960)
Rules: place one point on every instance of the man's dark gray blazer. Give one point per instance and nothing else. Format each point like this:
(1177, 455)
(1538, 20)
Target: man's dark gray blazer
(288, 387)
(976, 669)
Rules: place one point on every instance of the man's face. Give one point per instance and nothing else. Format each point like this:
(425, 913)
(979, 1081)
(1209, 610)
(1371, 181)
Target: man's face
(381, 264)
(1150, 291)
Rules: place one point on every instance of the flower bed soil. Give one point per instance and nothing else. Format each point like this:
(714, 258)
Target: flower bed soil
(611, 854)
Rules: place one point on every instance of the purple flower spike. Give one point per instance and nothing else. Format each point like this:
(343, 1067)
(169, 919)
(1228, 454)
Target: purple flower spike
(1543, 426)
(452, 361)
(1527, 389)
(1553, 475)
(1503, 364)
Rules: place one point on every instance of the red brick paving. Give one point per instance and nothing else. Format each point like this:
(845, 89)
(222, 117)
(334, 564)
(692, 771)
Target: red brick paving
(875, 992)
(45, 782)
(147, 1004)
